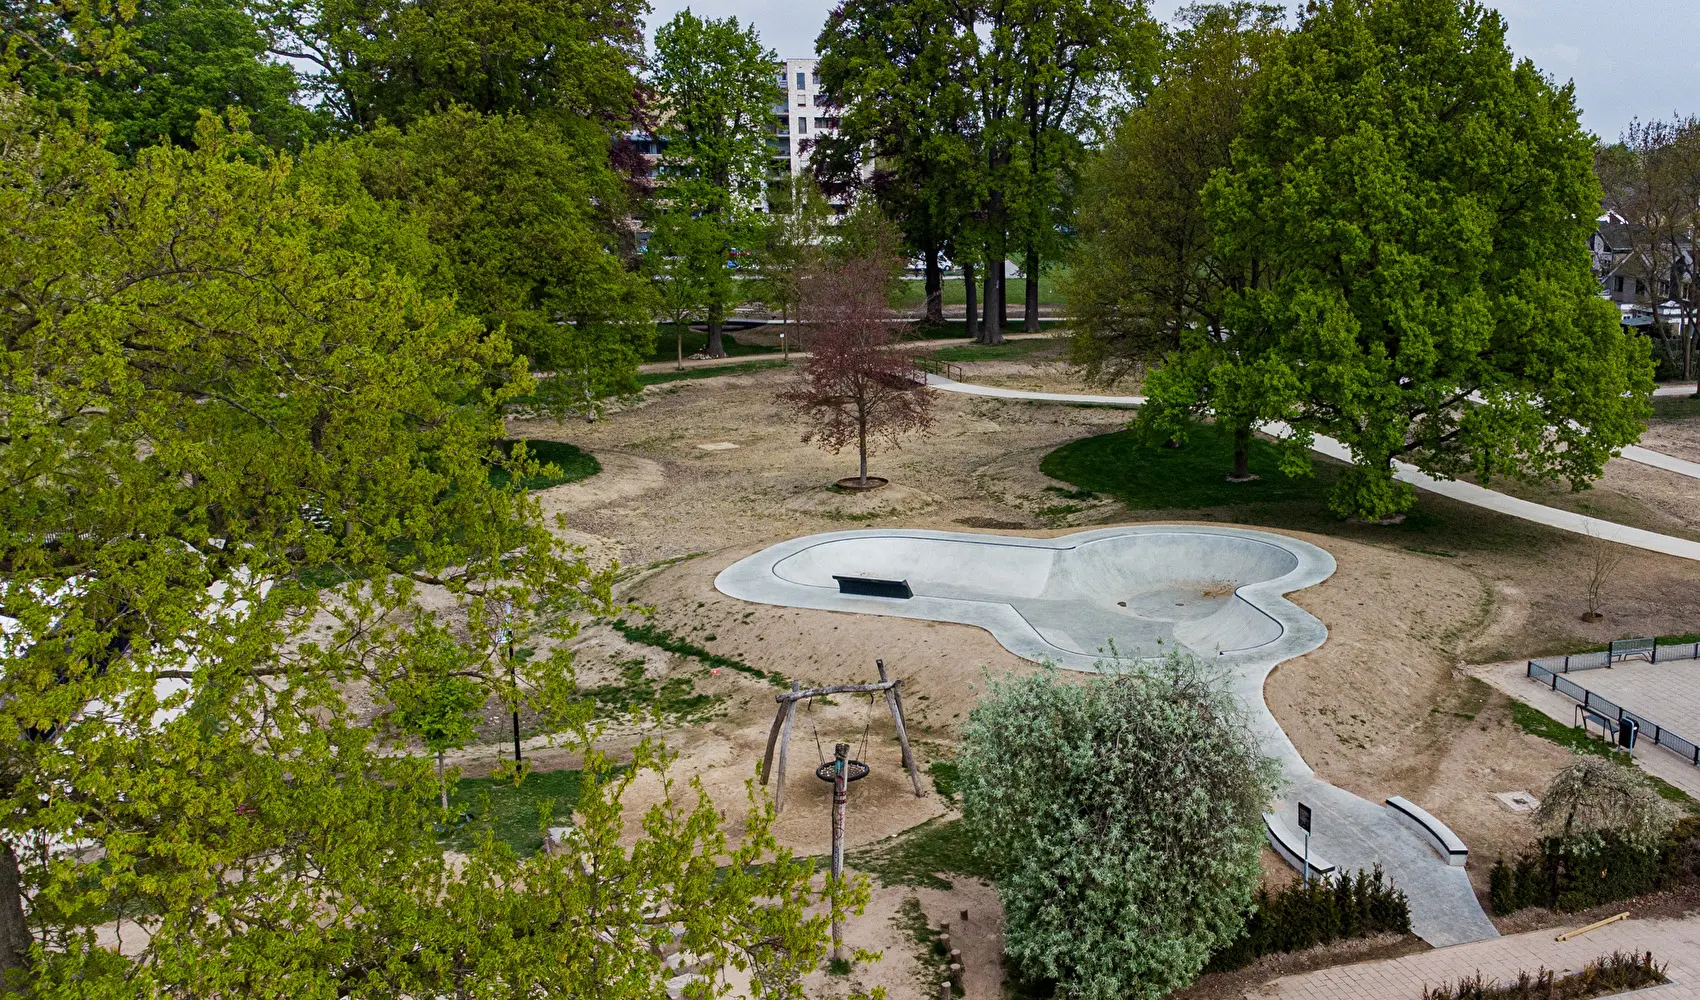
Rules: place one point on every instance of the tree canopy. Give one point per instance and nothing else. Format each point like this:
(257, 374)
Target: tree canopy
(1123, 816)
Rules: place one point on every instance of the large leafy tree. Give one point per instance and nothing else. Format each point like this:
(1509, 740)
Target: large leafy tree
(1423, 203)
(214, 410)
(520, 215)
(182, 57)
(716, 90)
(1124, 817)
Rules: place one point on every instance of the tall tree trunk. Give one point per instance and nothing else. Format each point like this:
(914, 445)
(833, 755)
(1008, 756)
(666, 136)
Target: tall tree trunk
(715, 348)
(1003, 297)
(679, 339)
(862, 447)
(935, 289)
(442, 785)
(992, 331)
(1242, 454)
(968, 294)
(15, 937)
(1031, 313)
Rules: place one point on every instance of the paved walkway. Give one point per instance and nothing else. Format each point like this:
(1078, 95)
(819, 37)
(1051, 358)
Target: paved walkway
(1470, 493)
(1674, 944)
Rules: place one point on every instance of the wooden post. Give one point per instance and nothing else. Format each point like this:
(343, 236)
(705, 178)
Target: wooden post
(773, 738)
(784, 749)
(840, 802)
(894, 701)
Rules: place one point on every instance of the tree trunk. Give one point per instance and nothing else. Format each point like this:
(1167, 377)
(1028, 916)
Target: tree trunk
(935, 289)
(1003, 298)
(15, 937)
(679, 341)
(992, 331)
(1031, 314)
(715, 348)
(442, 784)
(968, 293)
(862, 448)
(1242, 454)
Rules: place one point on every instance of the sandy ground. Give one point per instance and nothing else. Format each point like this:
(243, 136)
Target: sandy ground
(1675, 437)
(1383, 708)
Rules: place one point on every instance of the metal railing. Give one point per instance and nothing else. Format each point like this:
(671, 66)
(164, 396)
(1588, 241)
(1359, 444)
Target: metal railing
(933, 366)
(1551, 670)
(1653, 652)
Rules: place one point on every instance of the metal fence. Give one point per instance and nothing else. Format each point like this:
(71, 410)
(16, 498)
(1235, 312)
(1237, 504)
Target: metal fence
(933, 366)
(1655, 652)
(1551, 670)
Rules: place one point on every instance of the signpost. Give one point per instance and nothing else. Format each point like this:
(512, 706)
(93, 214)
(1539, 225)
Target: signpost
(1304, 824)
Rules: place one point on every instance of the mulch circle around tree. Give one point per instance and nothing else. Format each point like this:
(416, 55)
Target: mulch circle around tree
(854, 484)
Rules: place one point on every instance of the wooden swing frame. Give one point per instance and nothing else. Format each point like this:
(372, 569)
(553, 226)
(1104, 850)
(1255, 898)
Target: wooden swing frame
(780, 735)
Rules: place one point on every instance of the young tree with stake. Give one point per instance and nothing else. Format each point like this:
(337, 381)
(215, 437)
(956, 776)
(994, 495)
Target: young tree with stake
(857, 388)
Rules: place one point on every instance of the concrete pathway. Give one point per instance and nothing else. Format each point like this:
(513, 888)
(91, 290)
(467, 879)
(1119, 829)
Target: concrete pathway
(1470, 493)
(1674, 944)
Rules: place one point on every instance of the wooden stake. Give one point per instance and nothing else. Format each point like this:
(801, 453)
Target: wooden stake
(784, 750)
(1596, 925)
(894, 701)
(840, 804)
(773, 738)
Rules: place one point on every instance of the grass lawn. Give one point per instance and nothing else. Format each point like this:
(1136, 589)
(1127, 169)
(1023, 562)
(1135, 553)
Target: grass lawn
(570, 464)
(1007, 351)
(914, 294)
(1155, 478)
(667, 347)
(1675, 408)
(708, 371)
(957, 329)
(513, 813)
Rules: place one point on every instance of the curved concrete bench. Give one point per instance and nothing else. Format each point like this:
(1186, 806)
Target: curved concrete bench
(1291, 847)
(1438, 835)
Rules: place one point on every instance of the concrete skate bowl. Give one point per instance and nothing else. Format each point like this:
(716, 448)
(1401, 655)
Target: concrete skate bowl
(1076, 601)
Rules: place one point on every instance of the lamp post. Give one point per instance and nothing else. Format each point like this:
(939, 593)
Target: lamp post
(784, 346)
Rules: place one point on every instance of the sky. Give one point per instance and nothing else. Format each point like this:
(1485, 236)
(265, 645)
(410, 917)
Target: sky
(1629, 58)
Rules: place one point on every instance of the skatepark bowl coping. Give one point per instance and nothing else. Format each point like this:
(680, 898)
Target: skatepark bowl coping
(1077, 601)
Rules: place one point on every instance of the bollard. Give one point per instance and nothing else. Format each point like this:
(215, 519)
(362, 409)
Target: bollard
(956, 956)
(944, 941)
(944, 991)
(956, 974)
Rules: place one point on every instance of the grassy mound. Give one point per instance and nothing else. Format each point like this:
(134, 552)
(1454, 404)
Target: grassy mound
(569, 464)
(1193, 476)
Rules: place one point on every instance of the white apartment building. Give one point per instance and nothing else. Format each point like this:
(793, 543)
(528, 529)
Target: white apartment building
(803, 117)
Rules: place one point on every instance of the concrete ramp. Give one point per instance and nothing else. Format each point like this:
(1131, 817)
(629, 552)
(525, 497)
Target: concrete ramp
(1100, 599)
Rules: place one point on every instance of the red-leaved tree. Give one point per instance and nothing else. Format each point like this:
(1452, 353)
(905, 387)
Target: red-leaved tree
(857, 387)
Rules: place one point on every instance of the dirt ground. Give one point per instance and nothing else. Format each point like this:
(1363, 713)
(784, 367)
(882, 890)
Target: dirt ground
(1382, 708)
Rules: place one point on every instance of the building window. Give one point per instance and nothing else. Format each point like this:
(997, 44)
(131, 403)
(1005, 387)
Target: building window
(1640, 287)
(1620, 284)
(802, 126)
(816, 78)
(800, 85)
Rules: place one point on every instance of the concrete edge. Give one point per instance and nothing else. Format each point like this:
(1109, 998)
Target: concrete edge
(1291, 848)
(1438, 835)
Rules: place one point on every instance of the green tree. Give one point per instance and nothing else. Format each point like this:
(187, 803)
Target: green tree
(214, 411)
(436, 705)
(1145, 281)
(798, 225)
(396, 60)
(1123, 818)
(892, 72)
(183, 57)
(716, 92)
(1594, 798)
(1422, 204)
(519, 213)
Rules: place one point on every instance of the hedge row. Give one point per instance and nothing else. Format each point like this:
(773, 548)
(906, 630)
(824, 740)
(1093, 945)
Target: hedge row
(1329, 910)
(1614, 973)
(1570, 877)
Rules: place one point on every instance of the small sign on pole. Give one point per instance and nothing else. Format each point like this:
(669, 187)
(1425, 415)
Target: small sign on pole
(1304, 824)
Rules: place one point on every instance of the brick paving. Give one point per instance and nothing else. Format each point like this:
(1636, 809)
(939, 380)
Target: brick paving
(1667, 693)
(1674, 943)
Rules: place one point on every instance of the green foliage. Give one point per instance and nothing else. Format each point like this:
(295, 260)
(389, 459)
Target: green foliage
(1299, 917)
(1618, 972)
(1594, 797)
(556, 463)
(947, 778)
(209, 393)
(522, 220)
(1123, 819)
(660, 638)
(1152, 477)
(1420, 205)
(1576, 874)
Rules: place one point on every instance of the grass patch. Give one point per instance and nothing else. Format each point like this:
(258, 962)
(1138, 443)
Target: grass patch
(1425, 550)
(660, 638)
(1122, 465)
(930, 950)
(922, 856)
(1009, 350)
(562, 463)
(913, 294)
(709, 371)
(1537, 723)
(514, 813)
(634, 693)
(1675, 407)
(696, 341)
(947, 778)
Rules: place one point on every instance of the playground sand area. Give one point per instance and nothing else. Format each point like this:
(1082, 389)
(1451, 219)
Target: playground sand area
(1382, 708)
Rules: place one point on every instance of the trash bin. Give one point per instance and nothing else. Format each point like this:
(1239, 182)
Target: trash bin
(1627, 730)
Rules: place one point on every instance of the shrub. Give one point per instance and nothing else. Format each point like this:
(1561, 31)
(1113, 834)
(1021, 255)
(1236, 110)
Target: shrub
(1122, 820)
(1609, 974)
(1575, 874)
(1327, 910)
